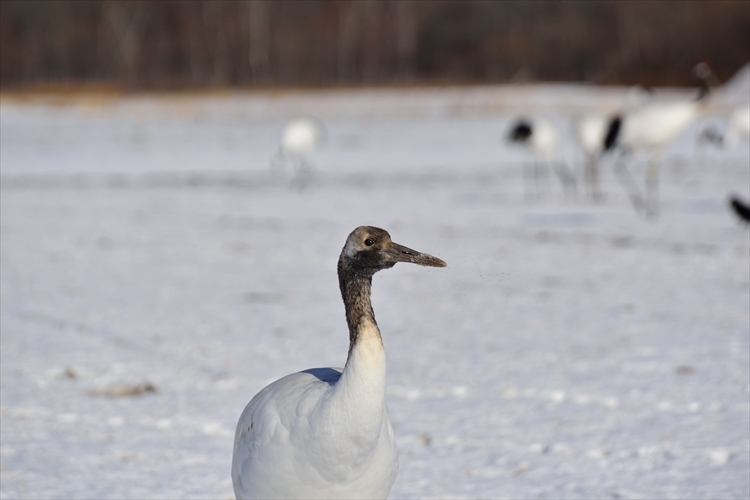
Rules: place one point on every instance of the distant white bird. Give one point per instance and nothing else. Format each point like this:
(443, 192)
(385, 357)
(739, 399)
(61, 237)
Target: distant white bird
(542, 141)
(325, 432)
(300, 138)
(649, 128)
(591, 131)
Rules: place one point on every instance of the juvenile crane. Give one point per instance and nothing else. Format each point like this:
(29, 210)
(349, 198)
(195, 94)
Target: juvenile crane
(325, 432)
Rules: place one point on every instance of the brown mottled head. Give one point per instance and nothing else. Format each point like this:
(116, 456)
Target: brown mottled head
(706, 77)
(371, 249)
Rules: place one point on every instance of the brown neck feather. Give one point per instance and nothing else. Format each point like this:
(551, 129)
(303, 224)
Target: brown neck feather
(355, 290)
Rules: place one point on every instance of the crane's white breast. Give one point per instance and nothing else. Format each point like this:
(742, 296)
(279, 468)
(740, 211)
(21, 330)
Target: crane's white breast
(286, 447)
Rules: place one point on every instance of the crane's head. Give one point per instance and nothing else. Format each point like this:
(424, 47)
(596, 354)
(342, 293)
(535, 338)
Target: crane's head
(369, 249)
(706, 77)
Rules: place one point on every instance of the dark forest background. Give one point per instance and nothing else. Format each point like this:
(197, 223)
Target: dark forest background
(193, 44)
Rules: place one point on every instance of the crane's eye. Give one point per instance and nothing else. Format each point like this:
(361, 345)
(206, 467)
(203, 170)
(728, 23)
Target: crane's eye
(369, 242)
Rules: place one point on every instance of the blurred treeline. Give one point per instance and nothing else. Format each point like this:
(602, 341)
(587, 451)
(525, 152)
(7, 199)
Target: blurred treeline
(186, 44)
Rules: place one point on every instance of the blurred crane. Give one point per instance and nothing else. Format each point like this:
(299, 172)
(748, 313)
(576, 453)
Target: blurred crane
(541, 139)
(300, 138)
(649, 128)
(591, 131)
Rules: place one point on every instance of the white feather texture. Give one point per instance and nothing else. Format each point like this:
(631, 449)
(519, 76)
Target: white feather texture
(652, 126)
(543, 140)
(321, 433)
(591, 130)
(302, 135)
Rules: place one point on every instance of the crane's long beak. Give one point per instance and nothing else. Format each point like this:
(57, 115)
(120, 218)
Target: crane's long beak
(399, 253)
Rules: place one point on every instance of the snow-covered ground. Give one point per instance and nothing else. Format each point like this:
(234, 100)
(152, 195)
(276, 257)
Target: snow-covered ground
(155, 276)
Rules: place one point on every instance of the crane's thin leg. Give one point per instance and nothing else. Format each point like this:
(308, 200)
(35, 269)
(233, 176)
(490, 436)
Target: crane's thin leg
(531, 179)
(652, 187)
(567, 179)
(278, 163)
(303, 173)
(592, 177)
(629, 185)
(527, 180)
(539, 168)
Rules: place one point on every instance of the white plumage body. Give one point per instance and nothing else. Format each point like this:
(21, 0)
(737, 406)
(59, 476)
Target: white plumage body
(591, 131)
(301, 136)
(738, 126)
(654, 125)
(323, 433)
(544, 140)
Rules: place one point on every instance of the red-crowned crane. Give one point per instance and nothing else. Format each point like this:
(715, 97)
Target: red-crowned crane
(325, 432)
(542, 141)
(649, 128)
(300, 138)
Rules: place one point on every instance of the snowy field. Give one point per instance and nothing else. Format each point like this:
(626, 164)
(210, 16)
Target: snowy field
(155, 276)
